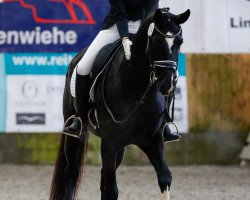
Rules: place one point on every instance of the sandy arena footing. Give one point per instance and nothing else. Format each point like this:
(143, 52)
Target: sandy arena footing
(135, 183)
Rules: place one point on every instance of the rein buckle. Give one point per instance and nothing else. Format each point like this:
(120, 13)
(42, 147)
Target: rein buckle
(153, 77)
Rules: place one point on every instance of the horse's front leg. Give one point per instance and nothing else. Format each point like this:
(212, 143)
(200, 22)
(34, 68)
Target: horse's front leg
(109, 188)
(155, 152)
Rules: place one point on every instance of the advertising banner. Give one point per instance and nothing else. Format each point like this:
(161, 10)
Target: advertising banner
(49, 26)
(35, 84)
(215, 26)
(181, 100)
(38, 39)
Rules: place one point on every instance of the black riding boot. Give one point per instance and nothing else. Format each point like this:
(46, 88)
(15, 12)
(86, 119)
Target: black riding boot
(169, 136)
(81, 104)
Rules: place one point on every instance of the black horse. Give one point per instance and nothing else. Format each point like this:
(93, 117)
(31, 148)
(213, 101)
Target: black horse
(130, 106)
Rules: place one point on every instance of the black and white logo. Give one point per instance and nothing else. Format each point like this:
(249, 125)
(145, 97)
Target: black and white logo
(29, 89)
(30, 118)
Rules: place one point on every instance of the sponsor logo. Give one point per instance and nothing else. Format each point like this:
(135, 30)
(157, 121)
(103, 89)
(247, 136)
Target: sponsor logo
(30, 118)
(49, 25)
(38, 36)
(239, 22)
(56, 89)
(29, 89)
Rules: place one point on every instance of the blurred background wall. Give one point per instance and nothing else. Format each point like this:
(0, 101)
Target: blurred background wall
(216, 65)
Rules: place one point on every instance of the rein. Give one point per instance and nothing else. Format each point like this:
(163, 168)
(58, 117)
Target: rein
(169, 64)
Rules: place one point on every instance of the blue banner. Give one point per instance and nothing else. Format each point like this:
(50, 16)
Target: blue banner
(182, 65)
(49, 26)
(37, 63)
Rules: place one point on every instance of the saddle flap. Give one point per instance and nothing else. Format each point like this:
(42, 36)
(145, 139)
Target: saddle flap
(103, 57)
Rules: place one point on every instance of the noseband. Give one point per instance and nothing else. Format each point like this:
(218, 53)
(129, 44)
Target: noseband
(166, 35)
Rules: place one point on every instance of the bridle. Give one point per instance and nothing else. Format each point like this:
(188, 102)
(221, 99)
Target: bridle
(166, 35)
(167, 64)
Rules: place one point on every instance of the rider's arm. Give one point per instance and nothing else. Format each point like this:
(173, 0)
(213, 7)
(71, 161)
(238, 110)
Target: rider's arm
(121, 18)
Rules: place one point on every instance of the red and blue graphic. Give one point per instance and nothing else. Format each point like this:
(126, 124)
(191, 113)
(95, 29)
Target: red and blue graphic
(49, 25)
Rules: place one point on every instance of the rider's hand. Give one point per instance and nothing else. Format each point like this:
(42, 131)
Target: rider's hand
(126, 45)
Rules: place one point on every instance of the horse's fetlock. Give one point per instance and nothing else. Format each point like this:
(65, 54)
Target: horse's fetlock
(165, 180)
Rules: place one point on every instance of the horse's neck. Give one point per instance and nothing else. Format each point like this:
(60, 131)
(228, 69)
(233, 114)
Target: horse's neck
(139, 65)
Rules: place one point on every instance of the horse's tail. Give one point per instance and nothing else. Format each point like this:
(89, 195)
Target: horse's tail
(72, 152)
(69, 167)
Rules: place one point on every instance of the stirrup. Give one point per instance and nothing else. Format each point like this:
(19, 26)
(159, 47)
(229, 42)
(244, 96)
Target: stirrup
(177, 131)
(73, 135)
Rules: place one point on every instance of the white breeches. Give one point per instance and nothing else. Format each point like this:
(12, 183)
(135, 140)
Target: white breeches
(103, 38)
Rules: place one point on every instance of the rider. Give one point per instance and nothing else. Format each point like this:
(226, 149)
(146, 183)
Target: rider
(124, 17)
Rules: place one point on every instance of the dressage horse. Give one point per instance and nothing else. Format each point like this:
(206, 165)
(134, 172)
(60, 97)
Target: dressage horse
(130, 105)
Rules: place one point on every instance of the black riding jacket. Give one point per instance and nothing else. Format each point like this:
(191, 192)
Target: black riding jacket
(122, 11)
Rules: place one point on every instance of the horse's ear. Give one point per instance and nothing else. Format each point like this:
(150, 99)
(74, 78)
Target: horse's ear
(158, 16)
(182, 18)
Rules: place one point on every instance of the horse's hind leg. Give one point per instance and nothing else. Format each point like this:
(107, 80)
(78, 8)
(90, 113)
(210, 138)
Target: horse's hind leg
(155, 152)
(109, 188)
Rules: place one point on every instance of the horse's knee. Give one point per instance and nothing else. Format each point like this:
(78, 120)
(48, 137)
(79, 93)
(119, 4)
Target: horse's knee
(164, 180)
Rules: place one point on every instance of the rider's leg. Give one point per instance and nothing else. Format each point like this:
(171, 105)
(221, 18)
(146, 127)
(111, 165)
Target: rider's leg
(168, 135)
(81, 101)
(80, 83)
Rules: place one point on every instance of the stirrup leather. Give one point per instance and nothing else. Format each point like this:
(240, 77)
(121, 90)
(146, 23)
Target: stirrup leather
(73, 135)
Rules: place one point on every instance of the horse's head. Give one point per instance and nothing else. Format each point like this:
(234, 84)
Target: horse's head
(165, 41)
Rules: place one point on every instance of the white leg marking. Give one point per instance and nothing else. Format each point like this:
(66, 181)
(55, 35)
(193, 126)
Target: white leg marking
(166, 195)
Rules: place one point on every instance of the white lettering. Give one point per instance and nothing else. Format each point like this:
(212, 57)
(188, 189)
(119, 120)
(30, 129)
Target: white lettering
(46, 37)
(71, 37)
(26, 37)
(12, 37)
(2, 37)
(58, 36)
(38, 36)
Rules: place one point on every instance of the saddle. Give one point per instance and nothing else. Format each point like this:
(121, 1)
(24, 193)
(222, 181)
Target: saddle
(103, 60)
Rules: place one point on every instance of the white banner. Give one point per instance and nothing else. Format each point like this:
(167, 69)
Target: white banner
(34, 103)
(215, 26)
(181, 106)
